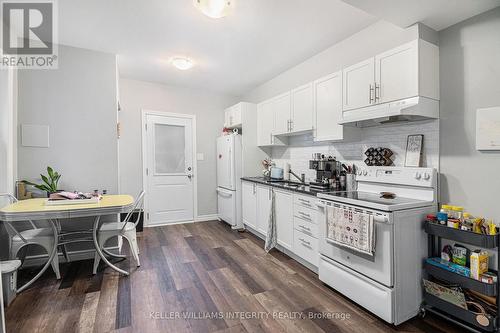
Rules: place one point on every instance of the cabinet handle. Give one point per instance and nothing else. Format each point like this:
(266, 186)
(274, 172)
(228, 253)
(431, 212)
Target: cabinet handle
(254, 191)
(291, 125)
(371, 93)
(377, 95)
(304, 214)
(305, 201)
(304, 241)
(304, 227)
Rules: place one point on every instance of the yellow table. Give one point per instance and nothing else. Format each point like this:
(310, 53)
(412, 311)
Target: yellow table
(35, 209)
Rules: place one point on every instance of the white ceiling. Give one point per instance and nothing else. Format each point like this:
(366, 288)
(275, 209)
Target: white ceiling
(257, 41)
(437, 14)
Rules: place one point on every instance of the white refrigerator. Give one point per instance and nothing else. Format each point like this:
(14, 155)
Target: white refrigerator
(229, 170)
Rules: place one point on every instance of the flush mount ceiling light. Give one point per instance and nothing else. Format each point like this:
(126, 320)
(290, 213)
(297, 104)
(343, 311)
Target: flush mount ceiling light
(213, 8)
(182, 63)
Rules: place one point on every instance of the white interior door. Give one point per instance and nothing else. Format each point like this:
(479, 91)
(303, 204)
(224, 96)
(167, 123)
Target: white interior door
(169, 170)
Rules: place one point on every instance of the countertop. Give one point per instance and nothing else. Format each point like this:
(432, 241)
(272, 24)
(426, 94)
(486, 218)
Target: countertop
(303, 189)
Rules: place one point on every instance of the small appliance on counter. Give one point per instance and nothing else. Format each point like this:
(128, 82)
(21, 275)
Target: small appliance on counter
(332, 175)
(276, 173)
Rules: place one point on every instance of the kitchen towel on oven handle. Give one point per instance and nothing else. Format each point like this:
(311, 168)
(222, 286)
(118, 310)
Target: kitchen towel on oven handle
(351, 229)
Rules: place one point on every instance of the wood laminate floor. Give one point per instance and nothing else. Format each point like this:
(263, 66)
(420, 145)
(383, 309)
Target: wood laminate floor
(200, 277)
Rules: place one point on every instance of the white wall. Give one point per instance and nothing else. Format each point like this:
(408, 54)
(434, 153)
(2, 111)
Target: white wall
(376, 38)
(209, 111)
(8, 127)
(78, 102)
(370, 41)
(470, 79)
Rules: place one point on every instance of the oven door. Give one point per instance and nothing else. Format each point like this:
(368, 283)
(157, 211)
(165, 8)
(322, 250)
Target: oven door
(378, 267)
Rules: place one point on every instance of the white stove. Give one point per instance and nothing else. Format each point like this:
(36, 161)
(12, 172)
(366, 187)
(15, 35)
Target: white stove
(389, 282)
(411, 188)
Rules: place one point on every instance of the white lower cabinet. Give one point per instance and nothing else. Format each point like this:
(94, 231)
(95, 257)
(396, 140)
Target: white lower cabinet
(284, 218)
(249, 204)
(263, 208)
(296, 225)
(306, 247)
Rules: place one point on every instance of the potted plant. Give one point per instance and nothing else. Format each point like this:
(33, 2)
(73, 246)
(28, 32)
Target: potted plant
(50, 182)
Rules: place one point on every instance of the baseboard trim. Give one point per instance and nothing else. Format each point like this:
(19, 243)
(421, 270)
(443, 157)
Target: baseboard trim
(205, 218)
(200, 218)
(41, 259)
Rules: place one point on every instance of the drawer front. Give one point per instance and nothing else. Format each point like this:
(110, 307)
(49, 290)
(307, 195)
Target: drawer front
(367, 293)
(304, 200)
(305, 213)
(305, 226)
(306, 247)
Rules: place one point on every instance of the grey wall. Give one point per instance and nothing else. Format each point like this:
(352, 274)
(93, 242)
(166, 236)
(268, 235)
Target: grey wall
(78, 102)
(470, 79)
(209, 111)
(370, 41)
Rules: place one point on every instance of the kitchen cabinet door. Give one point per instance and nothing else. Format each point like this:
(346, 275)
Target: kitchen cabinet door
(281, 107)
(302, 108)
(263, 208)
(284, 218)
(265, 124)
(249, 204)
(396, 73)
(235, 116)
(328, 108)
(359, 85)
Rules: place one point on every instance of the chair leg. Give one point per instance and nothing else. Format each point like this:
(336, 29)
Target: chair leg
(97, 259)
(65, 253)
(55, 266)
(134, 249)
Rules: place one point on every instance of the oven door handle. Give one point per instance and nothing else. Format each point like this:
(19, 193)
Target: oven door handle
(376, 218)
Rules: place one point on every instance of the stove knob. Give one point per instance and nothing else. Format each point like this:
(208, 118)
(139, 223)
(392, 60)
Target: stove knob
(427, 176)
(418, 175)
(359, 172)
(365, 173)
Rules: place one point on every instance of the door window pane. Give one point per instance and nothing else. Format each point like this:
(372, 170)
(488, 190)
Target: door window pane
(169, 149)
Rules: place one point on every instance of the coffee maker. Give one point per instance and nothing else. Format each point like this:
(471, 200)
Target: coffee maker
(327, 169)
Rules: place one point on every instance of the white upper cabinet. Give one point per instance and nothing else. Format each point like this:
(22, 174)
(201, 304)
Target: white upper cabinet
(328, 110)
(302, 109)
(409, 70)
(233, 116)
(265, 124)
(281, 107)
(284, 218)
(359, 84)
(396, 73)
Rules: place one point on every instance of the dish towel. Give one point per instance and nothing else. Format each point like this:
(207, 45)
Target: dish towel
(272, 236)
(351, 229)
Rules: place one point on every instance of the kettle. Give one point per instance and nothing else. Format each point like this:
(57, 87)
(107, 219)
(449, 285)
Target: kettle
(276, 173)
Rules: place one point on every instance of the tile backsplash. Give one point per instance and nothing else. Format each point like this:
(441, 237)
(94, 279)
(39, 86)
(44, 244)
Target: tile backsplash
(392, 136)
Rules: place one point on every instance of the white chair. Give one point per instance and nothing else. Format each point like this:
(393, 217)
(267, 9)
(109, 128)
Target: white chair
(125, 229)
(18, 240)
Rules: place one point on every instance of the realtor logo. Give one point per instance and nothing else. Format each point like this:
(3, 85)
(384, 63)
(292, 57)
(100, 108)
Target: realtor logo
(28, 34)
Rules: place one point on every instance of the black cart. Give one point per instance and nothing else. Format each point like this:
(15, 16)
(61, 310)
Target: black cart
(462, 317)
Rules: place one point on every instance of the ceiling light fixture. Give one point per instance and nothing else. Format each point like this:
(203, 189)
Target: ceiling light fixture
(182, 63)
(213, 8)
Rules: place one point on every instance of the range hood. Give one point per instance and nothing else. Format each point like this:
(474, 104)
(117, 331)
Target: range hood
(410, 109)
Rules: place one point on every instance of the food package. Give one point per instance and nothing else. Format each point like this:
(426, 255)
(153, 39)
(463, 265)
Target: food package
(478, 263)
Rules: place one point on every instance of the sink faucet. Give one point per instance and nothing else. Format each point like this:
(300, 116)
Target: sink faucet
(302, 177)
